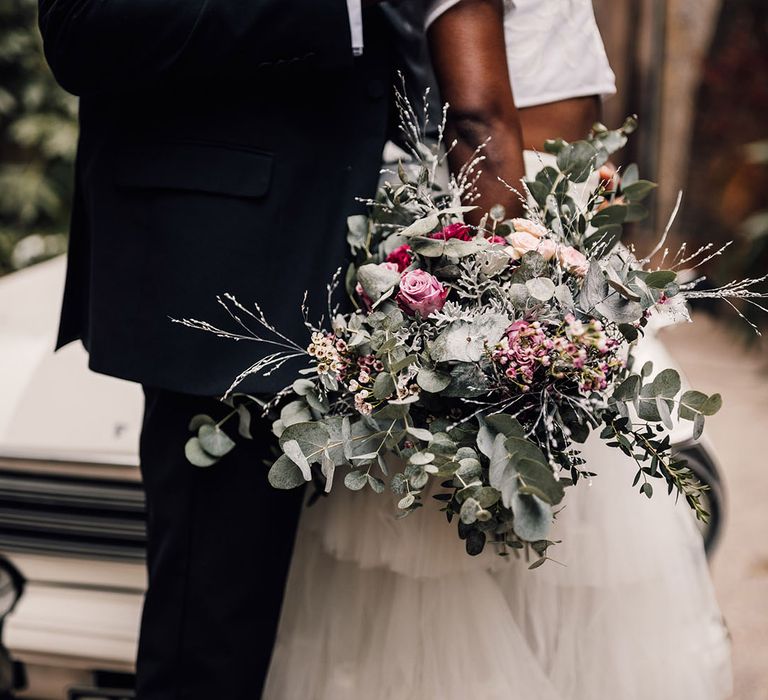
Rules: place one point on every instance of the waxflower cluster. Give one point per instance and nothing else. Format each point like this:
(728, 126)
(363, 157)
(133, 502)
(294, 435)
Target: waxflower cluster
(328, 352)
(577, 350)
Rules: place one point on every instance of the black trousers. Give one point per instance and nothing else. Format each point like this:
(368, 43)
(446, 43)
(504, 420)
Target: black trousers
(220, 543)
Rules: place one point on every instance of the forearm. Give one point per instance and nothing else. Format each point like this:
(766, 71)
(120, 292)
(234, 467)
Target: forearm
(470, 59)
(502, 152)
(98, 46)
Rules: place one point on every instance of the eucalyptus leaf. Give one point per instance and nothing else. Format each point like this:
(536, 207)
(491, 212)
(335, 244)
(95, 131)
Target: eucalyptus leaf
(285, 474)
(541, 288)
(355, 480)
(533, 517)
(196, 455)
(419, 433)
(377, 280)
(312, 437)
(200, 420)
(638, 190)
(432, 381)
(465, 341)
(292, 450)
(214, 440)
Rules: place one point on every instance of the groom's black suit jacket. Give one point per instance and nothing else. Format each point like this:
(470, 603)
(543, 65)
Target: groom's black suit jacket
(222, 146)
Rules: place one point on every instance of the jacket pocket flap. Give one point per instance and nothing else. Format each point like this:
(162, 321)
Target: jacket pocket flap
(220, 169)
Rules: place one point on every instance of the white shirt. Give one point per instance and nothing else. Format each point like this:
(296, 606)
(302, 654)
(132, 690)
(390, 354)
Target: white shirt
(355, 10)
(554, 49)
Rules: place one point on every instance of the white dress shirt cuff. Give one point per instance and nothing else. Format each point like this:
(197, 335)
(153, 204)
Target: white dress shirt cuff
(354, 7)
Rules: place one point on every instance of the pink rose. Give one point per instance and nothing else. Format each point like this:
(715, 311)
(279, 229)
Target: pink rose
(421, 293)
(521, 243)
(497, 239)
(457, 230)
(528, 226)
(573, 261)
(399, 256)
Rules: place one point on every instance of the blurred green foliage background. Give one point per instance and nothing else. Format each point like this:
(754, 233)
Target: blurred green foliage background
(38, 138)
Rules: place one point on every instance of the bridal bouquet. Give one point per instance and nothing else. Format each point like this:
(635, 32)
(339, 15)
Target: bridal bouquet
(477, 359)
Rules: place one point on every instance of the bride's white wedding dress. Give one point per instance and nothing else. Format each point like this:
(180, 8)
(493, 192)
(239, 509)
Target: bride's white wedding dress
(383, 609)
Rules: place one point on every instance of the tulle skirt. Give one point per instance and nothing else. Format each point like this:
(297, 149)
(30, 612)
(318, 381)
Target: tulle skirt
(378, 608)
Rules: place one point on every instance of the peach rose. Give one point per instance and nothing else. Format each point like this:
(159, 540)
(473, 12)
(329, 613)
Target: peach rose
(547, 248)
(521, 243)
(573, 261)
(528, 226)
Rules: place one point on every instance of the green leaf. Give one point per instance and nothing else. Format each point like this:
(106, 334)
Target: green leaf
(432, 381)
(666, 384)
(303, 386)
(638, 190)
(200, 420)
(376, 484)
(538, 480)
(629, 332)
(292, 450)
(713, 404)
(629, 175)
(357, 231)
(691, 404)
(406, 502)
(577, 160)
(214, 440)
(419, 433)
(647, 489)
(312, 437)
(377, 280)
(612, 215)
(285, 474)
(465, 341)
(383, 386)
(662, 406)
(469, 470)
(468, 513)
(505, 424)
(421, 458)
(629, 389)
(467, 380)
(541, 288)
(554, 146)
(197, 455)
(355, 480)
(486, 496)
(421, 227)
(660, 278)
(402, 364)
(244, 422)
(606, 237)
(698, 426)
(647, 369)
(532, 517)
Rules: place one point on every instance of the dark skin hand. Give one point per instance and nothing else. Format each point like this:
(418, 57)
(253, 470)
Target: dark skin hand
(470, 59)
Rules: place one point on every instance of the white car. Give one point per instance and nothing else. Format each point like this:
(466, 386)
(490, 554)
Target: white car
(72, 507)
(71, 503)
